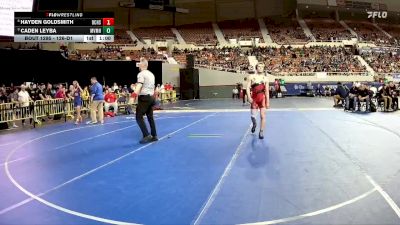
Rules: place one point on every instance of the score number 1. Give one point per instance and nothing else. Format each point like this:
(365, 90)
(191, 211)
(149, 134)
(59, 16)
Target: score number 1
(108, 21)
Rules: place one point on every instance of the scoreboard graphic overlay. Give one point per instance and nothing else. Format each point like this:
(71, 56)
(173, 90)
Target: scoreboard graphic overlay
(63, 27)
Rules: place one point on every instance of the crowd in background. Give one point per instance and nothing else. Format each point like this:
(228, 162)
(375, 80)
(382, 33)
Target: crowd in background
(328, 30)
(25, 94)
(285, 30)
(312, 59)
(383, 62)
(228, 59)
(113, 52)
(278, 60)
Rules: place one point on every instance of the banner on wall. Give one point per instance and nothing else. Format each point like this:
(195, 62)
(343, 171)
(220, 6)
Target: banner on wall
(321, 75)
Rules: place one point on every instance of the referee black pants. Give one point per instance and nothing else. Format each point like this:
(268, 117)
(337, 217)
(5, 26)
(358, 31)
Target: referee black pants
(244, 96)
(145, 106)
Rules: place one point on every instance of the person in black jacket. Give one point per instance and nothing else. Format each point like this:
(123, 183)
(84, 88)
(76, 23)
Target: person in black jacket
(351, 99)
(340, 94)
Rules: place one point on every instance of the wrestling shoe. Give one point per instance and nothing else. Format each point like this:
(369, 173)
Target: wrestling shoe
(261, 135)
(146, 139)
(154, 138)
(253, 129)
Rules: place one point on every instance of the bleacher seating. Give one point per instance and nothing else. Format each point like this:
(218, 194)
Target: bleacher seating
(327, 29)
(150, 54)
(155, 33)
(313, 59)
(281, 30)
(199, 34)
(229, 59)
(179, 56)
(285, 30)
(367, 32)
(393, 30)
(114, 54)
(383, 62)
(121, 37)
(237, 29)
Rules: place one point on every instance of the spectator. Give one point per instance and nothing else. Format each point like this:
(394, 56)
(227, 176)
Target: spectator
(3, 96)
(24, 99)
(48, 93)
(132, 98)
(387, 98)
(235, 93)
(392, 91)
(85, 94)
(327, 91)
(158, 88)
(70, 93)
(162, 89)
(351, 99)
(123, 96)
(363, 96)
(32, 92)
(320, 90)
(111, 100)
(60, 92)
(340, 94)
(13, 98)
(115, 87)
(41, 92)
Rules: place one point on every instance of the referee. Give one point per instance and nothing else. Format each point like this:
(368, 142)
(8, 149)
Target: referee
(145, 90)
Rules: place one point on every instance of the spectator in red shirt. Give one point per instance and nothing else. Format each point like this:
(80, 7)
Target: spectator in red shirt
(167, 87)
(111, 100)
(60, 92)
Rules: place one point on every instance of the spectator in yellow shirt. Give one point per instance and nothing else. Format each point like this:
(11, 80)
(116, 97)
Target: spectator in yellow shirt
(85, 94)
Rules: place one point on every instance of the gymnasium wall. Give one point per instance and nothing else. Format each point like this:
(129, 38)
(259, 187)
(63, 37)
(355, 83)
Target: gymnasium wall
(392, 5)
(312, 2)
(273, 8)
(120, 14)
(217, 84)
(170, 74)
(100, 4)
(235, 9)
(148, 18)
(199, 11)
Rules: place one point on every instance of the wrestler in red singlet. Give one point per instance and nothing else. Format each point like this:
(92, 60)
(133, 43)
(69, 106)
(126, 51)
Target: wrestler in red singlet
(259, 89)
(258, 95)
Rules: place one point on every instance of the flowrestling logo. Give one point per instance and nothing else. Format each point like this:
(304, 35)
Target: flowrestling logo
(377, 14)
